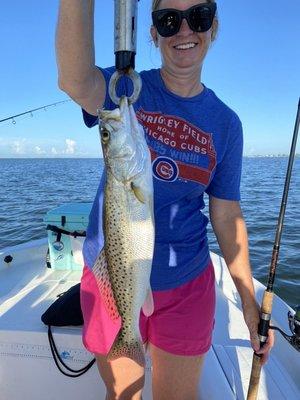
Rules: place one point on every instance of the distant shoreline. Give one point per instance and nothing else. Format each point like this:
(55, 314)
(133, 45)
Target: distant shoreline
(101, 158)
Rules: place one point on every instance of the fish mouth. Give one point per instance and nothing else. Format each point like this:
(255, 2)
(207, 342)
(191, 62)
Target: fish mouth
(123, 103)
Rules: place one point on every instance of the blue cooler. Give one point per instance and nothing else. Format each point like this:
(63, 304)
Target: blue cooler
(66, 226)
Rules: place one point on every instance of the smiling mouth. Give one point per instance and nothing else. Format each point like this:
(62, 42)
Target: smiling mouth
(185, 46)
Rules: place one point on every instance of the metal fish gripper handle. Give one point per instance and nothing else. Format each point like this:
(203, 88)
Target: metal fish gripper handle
(125, 35)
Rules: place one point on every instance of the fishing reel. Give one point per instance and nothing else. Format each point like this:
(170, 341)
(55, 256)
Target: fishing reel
(294, 323)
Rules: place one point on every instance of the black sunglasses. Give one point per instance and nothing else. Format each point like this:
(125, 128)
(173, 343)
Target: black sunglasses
(199, 18)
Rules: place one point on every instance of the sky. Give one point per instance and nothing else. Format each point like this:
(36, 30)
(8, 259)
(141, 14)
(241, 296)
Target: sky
(254, 67)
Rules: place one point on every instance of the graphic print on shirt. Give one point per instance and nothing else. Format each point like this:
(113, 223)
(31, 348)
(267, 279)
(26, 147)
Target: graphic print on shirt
(179, 149)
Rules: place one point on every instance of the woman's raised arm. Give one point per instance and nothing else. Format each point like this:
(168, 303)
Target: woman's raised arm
(77, 74)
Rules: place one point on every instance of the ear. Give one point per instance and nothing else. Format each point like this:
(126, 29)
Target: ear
(214, 30)
(153, 33)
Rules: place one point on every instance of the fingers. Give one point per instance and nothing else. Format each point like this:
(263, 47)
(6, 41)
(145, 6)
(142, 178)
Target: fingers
(251, 316)
(255, 343)
(266, 348)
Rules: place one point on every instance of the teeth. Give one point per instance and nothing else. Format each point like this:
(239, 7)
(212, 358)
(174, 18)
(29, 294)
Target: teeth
(185, 46)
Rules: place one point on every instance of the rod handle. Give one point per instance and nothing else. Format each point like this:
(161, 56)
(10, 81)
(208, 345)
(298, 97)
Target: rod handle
(254, 379)
(267, 302)
(266, 309)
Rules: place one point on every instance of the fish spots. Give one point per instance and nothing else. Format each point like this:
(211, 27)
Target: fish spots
(102, 278)
(129, 238)
(132, 349)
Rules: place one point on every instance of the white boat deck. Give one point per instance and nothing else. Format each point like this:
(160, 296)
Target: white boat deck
(27, 370)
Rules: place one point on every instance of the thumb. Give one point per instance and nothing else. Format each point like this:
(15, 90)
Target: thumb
(255, 343)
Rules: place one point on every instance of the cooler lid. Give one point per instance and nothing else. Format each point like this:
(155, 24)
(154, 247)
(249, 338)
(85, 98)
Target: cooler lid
(74, 212)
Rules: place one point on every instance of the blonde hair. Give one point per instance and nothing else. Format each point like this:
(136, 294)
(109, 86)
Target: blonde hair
(155, 5)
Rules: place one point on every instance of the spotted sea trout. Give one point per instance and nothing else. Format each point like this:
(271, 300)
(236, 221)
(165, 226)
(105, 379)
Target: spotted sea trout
(124, 266)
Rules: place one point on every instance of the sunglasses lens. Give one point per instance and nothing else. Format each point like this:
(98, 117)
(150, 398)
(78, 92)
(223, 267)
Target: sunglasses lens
(200, 18)
(167, 23)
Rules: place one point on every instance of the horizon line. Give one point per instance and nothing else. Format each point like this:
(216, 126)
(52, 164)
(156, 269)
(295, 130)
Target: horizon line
(95, 157)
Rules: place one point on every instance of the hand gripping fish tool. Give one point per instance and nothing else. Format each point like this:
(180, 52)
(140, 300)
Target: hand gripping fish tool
(125, 21)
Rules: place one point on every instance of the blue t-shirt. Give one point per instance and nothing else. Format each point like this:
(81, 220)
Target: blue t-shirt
(196, 146)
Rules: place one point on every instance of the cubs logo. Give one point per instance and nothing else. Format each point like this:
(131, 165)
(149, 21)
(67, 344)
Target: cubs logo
(165, 169)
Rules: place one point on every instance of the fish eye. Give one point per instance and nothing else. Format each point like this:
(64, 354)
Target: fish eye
(105, 135)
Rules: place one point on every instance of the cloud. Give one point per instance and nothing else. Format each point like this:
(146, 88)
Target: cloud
(38, 150)
(18, 146)
(70, 146)
(24, 147)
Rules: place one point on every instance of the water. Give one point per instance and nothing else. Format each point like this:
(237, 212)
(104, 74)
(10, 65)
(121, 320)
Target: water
(31, 187)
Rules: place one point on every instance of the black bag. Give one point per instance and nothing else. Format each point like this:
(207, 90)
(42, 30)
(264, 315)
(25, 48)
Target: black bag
(65, 311)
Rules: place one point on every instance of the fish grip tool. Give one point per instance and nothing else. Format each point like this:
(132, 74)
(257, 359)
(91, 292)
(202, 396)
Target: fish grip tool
(125, 33)
(266, 306)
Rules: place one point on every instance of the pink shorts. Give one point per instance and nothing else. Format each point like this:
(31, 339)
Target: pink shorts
(182, 322)
(183, 318)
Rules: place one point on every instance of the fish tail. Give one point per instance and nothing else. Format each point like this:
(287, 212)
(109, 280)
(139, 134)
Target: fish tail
(133, 350)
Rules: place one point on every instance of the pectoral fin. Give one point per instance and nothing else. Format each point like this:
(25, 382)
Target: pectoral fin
(138, 193)
(148, 306)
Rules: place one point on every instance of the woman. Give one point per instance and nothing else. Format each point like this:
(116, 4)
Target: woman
(196, 147)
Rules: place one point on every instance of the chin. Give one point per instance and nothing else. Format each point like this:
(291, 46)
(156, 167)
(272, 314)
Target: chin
(187, 58)
(187, 62)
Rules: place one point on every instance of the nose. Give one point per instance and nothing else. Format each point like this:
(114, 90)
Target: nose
(184, 28)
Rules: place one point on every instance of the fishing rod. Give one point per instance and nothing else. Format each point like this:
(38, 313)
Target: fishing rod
(266, 306)
(12, 117)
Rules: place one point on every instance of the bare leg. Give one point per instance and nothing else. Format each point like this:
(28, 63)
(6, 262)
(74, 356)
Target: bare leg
(175, 377)
(124, 378)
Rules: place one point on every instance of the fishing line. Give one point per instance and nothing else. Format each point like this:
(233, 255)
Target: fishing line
(12, 117)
